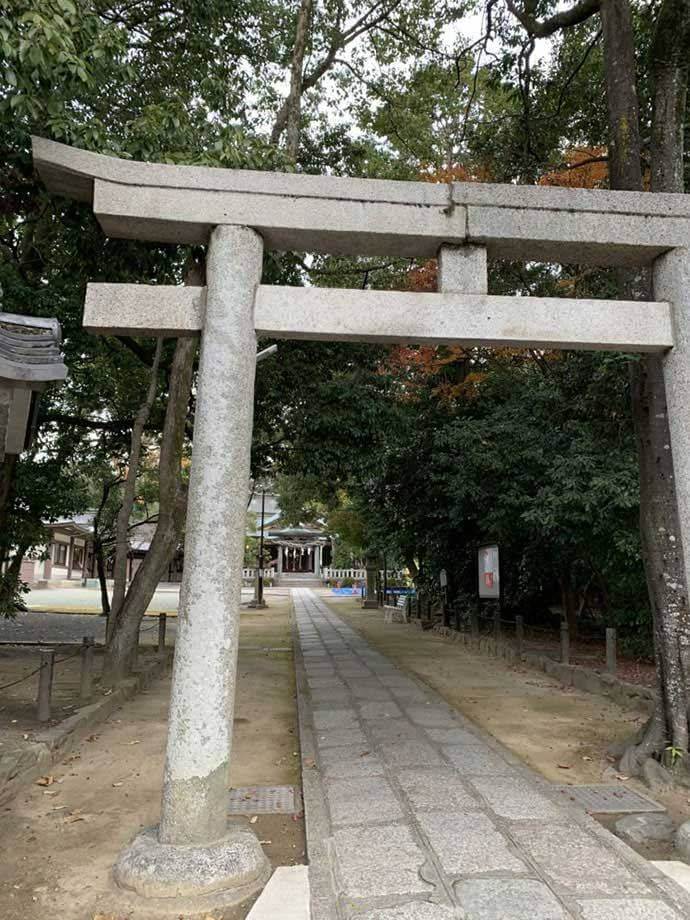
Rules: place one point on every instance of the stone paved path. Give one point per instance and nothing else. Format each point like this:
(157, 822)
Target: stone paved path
(414, 814)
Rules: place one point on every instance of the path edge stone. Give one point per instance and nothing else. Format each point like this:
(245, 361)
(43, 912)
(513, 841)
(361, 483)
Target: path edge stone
(316, 826)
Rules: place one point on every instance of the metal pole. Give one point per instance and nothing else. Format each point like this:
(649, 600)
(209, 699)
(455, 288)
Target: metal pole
(162, 623)
(45, 683)
(261, 551)
(385, 580)
(565, 642)
(611, 650)
(86, 676)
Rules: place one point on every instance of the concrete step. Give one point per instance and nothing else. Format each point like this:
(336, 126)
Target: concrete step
(286, 896)
(299, 581)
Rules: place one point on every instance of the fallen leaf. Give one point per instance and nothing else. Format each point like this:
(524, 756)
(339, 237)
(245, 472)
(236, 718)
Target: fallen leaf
(133, 742)
(622, 777)
(564, 766)
(70, 819)
(51, 792)
(116, 785)
(45, 781)
(588, 759)
(254, 819)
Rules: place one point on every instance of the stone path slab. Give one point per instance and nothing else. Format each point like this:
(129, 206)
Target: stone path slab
(413, 813)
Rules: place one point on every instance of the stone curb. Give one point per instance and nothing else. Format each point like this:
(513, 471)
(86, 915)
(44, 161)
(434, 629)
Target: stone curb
(570, 675)
(316, 825)
(20, 767)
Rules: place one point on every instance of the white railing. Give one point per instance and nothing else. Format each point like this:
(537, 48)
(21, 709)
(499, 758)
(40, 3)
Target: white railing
(329, 574)
(251, 573)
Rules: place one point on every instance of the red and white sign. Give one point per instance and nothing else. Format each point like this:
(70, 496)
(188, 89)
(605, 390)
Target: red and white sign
(489, 583)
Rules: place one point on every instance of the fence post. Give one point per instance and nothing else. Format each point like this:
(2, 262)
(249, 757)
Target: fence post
(497, 626)
(419, 605)
(611, 650)
(162, 622)
(45, 683)
(565, 642)
(474, 624)
(457, 615)
(86, 676)
(519, 634)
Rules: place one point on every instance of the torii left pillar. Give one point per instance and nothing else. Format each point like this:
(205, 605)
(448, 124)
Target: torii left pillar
(195, 856)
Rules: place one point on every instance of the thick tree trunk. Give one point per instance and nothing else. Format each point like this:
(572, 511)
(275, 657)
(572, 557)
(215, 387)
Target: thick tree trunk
(129, 493)
(659, 524)
(625, 163)
(122, 648)
(669, 58)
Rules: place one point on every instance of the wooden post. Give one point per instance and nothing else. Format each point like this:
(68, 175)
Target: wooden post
(565, 642)
(611, 650)
(497, 625)
(162, 621)
(519, 634)
(474, 623)
(86, 676)
(45, 683)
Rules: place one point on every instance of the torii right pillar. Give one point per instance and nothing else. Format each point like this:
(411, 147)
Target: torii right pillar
(671, 282)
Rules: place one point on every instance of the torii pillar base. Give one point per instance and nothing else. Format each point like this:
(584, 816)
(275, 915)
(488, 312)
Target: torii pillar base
(163, 881)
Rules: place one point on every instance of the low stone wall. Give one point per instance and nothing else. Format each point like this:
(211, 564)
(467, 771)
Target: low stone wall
(625, 694)
(31, 761)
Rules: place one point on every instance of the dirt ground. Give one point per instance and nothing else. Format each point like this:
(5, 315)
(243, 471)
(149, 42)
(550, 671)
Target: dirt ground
(60, 841)
(560, 732)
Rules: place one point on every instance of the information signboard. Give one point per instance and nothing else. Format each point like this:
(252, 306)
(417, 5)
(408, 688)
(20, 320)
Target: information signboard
(489, 579)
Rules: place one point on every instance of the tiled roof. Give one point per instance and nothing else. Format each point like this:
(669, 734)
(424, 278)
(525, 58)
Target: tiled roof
(30, 349)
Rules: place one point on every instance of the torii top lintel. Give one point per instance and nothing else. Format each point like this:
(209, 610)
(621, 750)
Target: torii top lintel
(182, 204)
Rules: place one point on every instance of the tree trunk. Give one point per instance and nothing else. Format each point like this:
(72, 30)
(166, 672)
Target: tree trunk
(570, 603)
(7, 471)
(625, 163)
(122, 648)
(102, 577)
(9, 584)
(129, 494)
(659, 524)
(290, 116)
(669, 59)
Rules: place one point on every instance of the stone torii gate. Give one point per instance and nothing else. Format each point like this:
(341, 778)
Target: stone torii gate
(194, 853)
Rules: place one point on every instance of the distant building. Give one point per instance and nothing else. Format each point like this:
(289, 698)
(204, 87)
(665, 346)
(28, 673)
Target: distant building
(289, 551)
(68, 554)
(302, 550)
